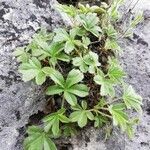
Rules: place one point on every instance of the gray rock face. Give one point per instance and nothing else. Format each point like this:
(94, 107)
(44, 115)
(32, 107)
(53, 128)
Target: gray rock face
(18, 101)
(19, 20)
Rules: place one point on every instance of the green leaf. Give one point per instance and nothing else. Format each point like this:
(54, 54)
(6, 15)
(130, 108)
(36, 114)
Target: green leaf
(40, 78)
(87, 63)
(131, 99)
(73, 77)
(61, 35)
(119, 116)
(64, 119)
(91, 59)
(37, 140)
(86, 41)
(48, 70)
(49, 144)
(84, 105)
(57, 77)
(31, 70)
(69, 130)
(106, 85)
(28, 75)
(69, 10)
(115, 72)
(111, 32)
(54, 89)
(100, 120)
(74, 116)
(93, 9)
(138, 18)
(52, 121)
(90, 23)
(21, 54)
(63, 57)
(69, 47)
(82, 120)
(113, 10)
(80, 90)
(81, 115)
(70, 98)
(112, 44)
(79, 61)
(55, 126)
(35, 62)
(67, 38)
(90, 115)
(69, 88)
(55, 52)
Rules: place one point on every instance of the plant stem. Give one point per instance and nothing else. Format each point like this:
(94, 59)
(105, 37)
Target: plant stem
(103, 114)
(95, 42)
(63, 102)
(104, 109)
(114, 100)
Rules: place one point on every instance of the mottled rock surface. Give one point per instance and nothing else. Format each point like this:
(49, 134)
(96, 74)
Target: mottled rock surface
(19, 20)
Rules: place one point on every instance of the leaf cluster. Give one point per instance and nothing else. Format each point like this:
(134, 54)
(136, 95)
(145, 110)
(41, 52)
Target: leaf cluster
(64, 58)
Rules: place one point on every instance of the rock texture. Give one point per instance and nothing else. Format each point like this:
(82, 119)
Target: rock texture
(19, 20)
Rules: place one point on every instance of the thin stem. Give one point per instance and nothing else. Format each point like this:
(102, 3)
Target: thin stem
(63, 102)
(103, 114)
(104, 109)
(114, 100)
(95, 42)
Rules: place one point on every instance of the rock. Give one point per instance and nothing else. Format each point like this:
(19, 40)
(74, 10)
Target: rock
(19, 20)
(18, 100)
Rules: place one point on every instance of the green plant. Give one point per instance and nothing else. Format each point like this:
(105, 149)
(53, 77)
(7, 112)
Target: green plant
(80, 64)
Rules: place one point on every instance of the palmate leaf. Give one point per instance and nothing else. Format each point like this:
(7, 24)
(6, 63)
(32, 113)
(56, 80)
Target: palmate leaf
(38, 140)
(85, 42)
(81, 115)
(100, 121)
(131, 99)
(69, 130)
(90, 23)
(79, 62)
(67, 38)
(21, 54)
(69, 10)
(68, 87)
(52, 121)
(80, 90)
(120, 118)
(31, 70)
(74, 76)
(115, 72)
(87, 62)
(112, 44)
(113, 10)
(111, 32)
(107, 85)
(93, 9)
(55, 51)
(39, 44)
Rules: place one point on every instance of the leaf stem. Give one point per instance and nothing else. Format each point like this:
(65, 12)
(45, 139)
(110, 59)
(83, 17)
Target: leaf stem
(103, 114)
(95, 42)
(63, 102)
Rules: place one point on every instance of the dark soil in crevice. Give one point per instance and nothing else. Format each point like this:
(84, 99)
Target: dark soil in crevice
(35, 119)
(75, 2)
